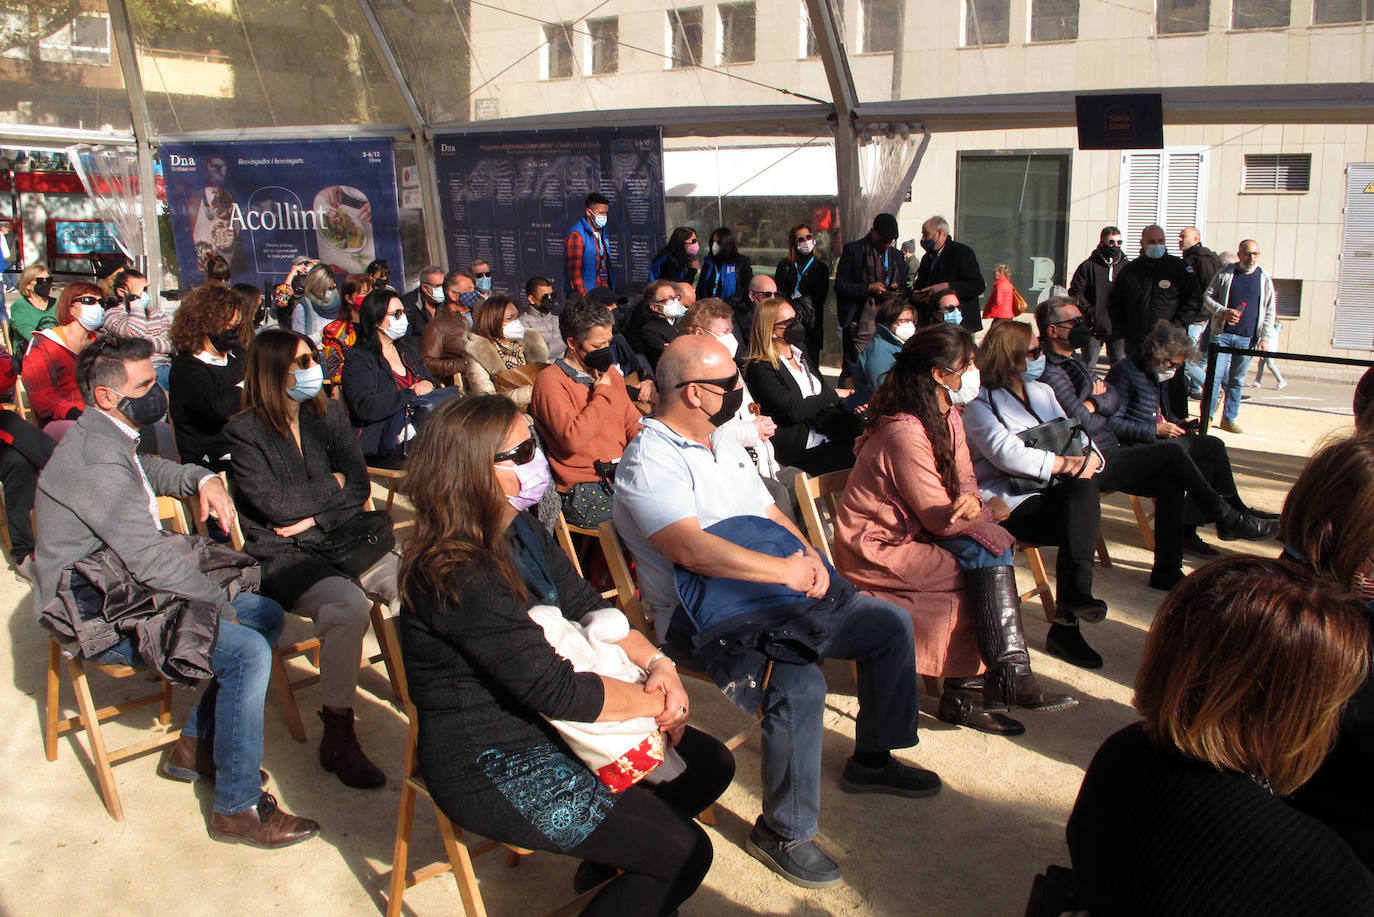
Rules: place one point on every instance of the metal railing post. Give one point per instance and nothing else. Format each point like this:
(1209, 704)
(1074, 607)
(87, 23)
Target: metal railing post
(1209, 380)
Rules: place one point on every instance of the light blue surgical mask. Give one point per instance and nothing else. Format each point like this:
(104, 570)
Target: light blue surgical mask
(952, 317)
(600, 220)
(483, 284)
(309, 382)
(1034, 369)
(1155, 251)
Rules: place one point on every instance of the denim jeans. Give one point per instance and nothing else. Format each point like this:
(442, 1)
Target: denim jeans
(1231, 370)
(971, 555)
(230, 712)
(1196, 370)
(877, 635)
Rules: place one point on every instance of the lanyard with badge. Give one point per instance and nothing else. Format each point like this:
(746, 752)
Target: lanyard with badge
(796, 290)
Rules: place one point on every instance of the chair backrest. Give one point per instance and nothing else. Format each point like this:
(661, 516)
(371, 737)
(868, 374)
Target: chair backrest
(171, 512)
(627, 594)
(819, 499)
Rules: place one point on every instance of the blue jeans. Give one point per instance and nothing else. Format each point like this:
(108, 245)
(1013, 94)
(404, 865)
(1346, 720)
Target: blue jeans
(230, 711)
(1231, 370)
(877, 635)
(971, 555)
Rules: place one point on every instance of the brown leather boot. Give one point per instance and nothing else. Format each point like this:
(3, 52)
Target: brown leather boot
(961, 703)
(1001, 641)
(263, 825)
(191, 759)
(341, 754)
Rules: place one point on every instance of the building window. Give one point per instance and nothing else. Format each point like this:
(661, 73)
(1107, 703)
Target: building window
(736, 33)
(558, 52)
(605, 44)
(83, 40)
(684, 29)
(1278, 172)
(987, 22)
(1179, 17)
(1329, 12)
(1168, 187)
(880, 21)
(1054, 20)
(1287, 298)
(1259, 14)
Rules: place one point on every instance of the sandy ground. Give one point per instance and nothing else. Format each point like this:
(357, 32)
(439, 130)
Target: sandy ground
(972, 849)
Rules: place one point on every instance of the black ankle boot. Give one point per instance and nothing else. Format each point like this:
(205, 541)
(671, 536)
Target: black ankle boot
(1002, 642)
(1066, 641)
(961, 704)
(341, 754)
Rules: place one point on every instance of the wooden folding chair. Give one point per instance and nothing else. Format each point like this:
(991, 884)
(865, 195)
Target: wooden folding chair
(390, 478)
(281, 674)
(21, 403)
(460, 851)
(1143, 520)
(89, 717)
(564, 532)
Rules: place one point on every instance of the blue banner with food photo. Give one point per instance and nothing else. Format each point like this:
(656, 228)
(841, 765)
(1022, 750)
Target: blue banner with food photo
(261, 205)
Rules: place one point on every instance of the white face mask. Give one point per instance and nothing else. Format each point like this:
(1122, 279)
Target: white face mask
(806, 246)
(436, 294)
(969, 383)
(715, 249)
(1163, 373)
(513, 331)
(904, 330)
(396, 327)
(91, 317)
(1247, 270)
(599, 220)
(673, 309)
(728, 341)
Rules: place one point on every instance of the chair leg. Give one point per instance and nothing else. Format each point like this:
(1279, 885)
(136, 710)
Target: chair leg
(400, 855)
(287, 698)
(164, 712)
(1104, 559)
(90, 721)
(463, 873)
(51, 712)
(1142, 520)
(1042, 580)
(708, 816)
(378, 615)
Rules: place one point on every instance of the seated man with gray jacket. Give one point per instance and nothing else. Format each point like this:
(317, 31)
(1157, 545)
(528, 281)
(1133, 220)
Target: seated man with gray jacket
(97, 500)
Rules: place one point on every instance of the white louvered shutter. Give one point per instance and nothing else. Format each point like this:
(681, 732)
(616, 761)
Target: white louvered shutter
(1354, 325)
(1168, 187)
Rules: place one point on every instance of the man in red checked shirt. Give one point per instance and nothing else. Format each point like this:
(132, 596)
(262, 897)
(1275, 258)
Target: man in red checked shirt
(587, 249)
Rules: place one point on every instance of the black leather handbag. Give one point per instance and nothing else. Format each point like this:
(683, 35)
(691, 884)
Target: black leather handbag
(355, 546)
(1062, 436)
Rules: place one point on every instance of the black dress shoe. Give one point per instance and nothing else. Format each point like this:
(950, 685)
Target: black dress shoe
(893, 778)
(1165, 580)
(1193, 544)
(1248, 528)
(1066, 641)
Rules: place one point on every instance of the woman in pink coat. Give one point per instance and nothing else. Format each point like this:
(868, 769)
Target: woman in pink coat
(912, 529)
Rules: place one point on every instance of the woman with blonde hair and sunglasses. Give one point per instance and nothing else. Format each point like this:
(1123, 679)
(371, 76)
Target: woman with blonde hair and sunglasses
(299, 476)
(1247, 669)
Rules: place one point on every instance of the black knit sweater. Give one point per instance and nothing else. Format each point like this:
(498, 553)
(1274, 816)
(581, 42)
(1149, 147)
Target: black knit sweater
(1154, 832)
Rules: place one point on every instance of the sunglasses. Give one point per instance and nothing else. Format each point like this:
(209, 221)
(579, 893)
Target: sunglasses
(521, 454)
(87, 300)
(1070, 322)
(727, 383)
(1114, 243)
(305, 360)
(1033, 353)
(807, 238)
(481, 273)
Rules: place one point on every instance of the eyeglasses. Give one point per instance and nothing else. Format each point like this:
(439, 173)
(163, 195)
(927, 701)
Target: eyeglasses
(521, 454)
(87, 300)
(664, 302)
(306, 360)
(1070, 322)
(728, 383)
(481, 273)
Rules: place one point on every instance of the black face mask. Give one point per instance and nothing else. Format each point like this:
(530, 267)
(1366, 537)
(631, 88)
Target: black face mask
(729, 406)
(1080, 336)
(225, 341)
(795, 334)
(599, 360)
(298, 285)
(42, 286)
(147, 408)
(546, 304)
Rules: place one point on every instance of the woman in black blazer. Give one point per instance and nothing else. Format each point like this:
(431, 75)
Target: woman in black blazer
(203, 387)
(816, 426)
(299, 475)
(383, 374)
(804, 280)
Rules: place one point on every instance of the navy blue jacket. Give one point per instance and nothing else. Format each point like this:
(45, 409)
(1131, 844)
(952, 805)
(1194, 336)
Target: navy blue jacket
(1141, 397)
(1072, 382)
(373, 397)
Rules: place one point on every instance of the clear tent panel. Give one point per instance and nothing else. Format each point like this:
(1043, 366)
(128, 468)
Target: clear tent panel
(260, 63)
(59, 68)
(468, 60)
(913, 49)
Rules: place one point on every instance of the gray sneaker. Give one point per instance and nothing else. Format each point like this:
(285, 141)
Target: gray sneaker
(25, 570)
(799, 862)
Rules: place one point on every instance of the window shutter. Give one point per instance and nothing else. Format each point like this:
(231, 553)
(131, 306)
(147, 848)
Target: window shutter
(1278, 172)
(1140, 197)
(1167, 187)
(1287, 298)
(1183, 195)
(1354, 325)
